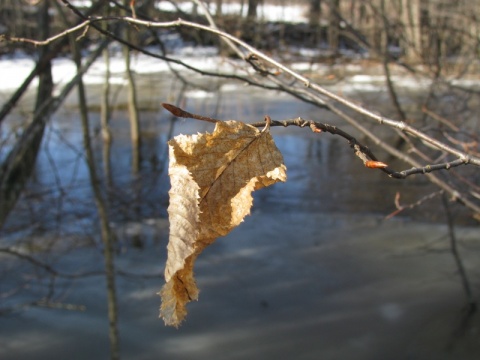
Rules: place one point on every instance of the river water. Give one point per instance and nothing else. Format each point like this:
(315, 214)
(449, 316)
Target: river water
(316, 271)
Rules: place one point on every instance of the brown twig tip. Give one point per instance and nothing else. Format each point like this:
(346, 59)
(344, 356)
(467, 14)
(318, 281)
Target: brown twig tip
(174, 110)
(375, 164)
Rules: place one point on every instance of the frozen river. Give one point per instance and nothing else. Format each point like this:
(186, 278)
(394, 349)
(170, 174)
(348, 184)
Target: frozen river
(315, 273)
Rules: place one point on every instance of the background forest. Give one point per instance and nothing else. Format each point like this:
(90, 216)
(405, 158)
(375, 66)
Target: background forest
(370, 258)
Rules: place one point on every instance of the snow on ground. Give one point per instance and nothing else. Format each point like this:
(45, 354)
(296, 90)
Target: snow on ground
(13, 72)
(14, 69)
(268, 12)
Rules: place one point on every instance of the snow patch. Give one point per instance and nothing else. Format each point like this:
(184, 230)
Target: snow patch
(265, 12)
(199, 94)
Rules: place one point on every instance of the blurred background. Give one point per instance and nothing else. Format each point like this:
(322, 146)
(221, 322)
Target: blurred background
(339, 262)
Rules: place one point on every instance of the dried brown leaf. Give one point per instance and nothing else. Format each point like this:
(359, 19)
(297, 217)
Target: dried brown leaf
(212, 177)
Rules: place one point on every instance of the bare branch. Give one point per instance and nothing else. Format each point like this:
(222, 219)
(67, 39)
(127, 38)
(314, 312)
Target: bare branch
(82, 26)
(400, 125)
(48, 268)
(417, 203)
(361, 151)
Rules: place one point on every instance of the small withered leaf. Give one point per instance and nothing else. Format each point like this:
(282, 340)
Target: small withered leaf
(212, 177)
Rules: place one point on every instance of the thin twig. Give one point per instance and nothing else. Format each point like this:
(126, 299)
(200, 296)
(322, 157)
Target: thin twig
(440, 119)
(361, 151)
(417, 203)
(48, 268)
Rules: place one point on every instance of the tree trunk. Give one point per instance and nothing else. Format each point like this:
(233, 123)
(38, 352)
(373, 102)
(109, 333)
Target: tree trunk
(334, 26)
(252, 8)
(218, 11)
(19, 164)
(132, 105)
(314, 15)
(105, 113)
(385, 63)
(412, 30)
(105, 230)
(315, 12)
